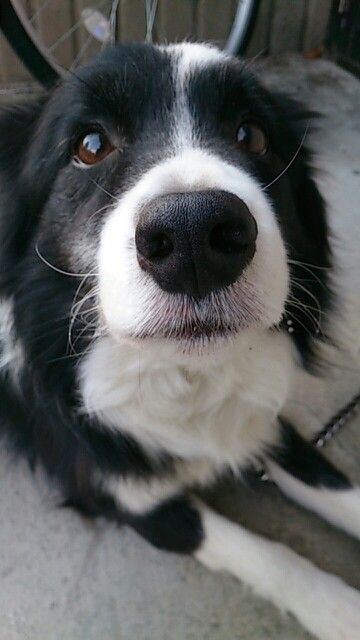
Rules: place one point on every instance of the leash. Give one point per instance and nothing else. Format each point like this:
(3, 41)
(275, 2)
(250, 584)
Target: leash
(331, 428)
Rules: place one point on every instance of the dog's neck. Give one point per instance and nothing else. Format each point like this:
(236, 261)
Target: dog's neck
(218, 407)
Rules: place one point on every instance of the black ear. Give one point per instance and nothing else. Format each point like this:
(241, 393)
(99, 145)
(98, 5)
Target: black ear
(18, 124)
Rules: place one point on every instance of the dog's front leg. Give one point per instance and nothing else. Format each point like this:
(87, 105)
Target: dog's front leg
(303, 474)
(322, 603)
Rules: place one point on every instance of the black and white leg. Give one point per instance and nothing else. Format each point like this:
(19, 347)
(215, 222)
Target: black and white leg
(177, 522)
(303, 474)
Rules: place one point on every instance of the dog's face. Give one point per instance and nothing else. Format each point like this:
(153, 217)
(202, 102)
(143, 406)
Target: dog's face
(190, 250)
(159, 176)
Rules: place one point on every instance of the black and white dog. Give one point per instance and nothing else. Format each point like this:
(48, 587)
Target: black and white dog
(156, 213)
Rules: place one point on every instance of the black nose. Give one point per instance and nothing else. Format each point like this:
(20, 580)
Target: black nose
(195, 242)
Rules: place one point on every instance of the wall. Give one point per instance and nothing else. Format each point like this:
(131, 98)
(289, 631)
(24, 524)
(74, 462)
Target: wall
(282, 25)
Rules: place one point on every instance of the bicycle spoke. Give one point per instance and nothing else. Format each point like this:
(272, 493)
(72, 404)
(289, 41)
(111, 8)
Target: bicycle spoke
(151, 8)
(75, 26)
(113, 20)
(39, 10)
(82, 50)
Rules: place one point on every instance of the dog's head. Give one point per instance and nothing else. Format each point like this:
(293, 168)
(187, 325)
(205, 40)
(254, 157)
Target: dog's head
(174, 186)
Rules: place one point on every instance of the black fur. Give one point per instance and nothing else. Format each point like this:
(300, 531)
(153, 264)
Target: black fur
(305, 462)
(175, 525)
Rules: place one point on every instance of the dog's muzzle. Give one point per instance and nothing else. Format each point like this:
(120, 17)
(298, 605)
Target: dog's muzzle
(197, 242)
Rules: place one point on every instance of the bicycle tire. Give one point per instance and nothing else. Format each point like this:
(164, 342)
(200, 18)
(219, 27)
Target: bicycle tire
(43, 66)
(243, 27)
(23, 39)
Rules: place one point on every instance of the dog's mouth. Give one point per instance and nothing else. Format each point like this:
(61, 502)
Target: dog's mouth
(190, 331)
(201, 322)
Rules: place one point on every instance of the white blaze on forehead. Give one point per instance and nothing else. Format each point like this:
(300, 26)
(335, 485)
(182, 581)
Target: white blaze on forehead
(191, 56)
(187, 59)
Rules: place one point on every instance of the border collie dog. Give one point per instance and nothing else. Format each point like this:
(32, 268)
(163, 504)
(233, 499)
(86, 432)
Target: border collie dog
(156, 212)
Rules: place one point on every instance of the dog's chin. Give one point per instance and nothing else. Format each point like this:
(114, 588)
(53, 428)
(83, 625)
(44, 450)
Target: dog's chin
(190, 342)
(184, 349)
(181, 325)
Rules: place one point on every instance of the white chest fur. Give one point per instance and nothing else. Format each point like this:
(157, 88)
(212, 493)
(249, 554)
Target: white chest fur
(219, 407)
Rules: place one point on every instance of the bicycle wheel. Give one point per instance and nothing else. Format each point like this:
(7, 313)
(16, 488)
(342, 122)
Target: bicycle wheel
(242, 28)
(53, 36)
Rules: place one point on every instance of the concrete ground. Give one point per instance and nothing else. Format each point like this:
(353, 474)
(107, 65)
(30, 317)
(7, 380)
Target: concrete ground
(63, 578)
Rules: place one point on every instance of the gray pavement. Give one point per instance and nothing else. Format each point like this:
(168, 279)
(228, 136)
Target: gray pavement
(63, 578)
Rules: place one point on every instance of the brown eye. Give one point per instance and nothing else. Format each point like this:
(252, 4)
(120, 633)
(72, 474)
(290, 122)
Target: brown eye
(92, 148)
(251, 137)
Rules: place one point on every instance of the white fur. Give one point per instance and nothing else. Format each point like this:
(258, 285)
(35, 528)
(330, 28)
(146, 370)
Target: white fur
(141, 495)
(187, 59)
(179, 406)
(138, 496)
(192, 56)
(341, 508)
(11, 352)
(325, 605)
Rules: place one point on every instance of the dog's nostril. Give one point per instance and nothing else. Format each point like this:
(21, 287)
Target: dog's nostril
(227, 238)
(161, 246)
(156, 246)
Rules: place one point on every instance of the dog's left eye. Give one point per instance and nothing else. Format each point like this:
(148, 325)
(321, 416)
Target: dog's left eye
(252, 137)
(92, 147)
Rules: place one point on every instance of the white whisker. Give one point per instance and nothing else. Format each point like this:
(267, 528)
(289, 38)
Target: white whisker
(58, 270)
(291, 161)
(111, 195)
(302, 265)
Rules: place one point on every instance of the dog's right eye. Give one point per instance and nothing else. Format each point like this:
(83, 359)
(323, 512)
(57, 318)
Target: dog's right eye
(92, 147)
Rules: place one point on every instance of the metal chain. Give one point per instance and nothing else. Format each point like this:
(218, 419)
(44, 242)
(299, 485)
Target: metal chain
(336, 423)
